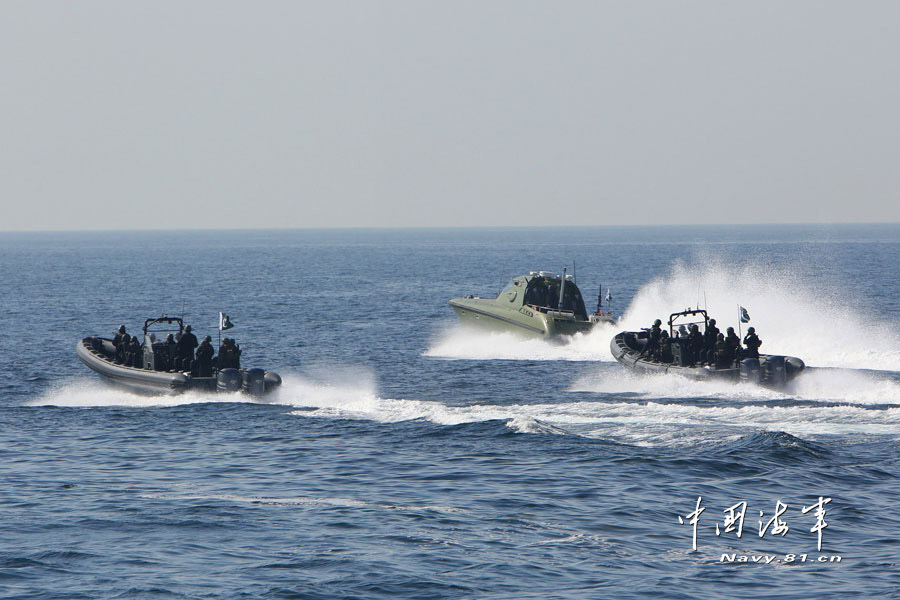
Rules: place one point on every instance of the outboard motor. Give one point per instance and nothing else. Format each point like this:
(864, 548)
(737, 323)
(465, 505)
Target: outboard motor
(793, 366)
(255, 382)
(750, 370)
(229, 380)
(272, 380)
(773, 372)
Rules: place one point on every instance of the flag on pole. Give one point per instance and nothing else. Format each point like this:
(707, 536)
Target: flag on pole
(745, 316)
(225, 322)
(608, 296)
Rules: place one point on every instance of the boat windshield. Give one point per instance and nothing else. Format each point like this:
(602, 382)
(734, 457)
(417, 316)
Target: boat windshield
(544, 293)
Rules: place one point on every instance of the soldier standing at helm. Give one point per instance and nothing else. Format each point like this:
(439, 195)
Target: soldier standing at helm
(752, 341)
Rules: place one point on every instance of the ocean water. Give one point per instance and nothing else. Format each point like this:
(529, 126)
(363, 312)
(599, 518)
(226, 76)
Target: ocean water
(407, 457)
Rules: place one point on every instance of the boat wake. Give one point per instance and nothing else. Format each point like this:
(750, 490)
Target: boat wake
(636, 409)
(88, 393)
(320, 389)
(460, 342)
(847, 386)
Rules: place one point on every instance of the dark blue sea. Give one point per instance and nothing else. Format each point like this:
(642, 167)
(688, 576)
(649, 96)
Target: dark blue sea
(406, 457)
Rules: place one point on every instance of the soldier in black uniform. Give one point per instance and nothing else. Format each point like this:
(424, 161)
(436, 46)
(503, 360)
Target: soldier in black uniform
(185, 351)
(170, 351)
(665, 348)
(652, 347)
(123, 352)
(137, 353)
(222, 357)
(733, 343)
(117, 344)
(204, 358)
(752, 341)
(710, 336)
(721, 353)
(695, 345)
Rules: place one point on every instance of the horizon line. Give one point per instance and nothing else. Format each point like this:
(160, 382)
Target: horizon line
(445, 227)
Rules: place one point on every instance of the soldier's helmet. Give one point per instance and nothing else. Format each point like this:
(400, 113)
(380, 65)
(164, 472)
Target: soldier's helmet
(207, 339)
(730, 330)
(751, 330)
(712, 321)
(721, 337)
(657, 322)
(121, 329)
(187, 328)
(170, 338)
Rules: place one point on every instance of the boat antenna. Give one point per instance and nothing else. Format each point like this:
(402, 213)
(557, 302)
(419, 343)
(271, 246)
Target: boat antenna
(562, 289)
(599, 298)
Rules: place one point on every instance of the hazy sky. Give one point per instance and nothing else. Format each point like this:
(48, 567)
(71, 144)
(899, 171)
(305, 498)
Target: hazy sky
(132, 115)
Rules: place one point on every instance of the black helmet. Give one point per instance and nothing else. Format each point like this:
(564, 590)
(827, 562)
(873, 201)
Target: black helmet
(170, 338)
(207, 339)
(751, 330)
(187, 328)
(121, 329)
(694, 327)
(712, 321)
(657, 323)
(721, 337)
(730, 330)
(664, 333)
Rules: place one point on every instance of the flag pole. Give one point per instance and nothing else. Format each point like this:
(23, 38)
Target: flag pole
(740, 333)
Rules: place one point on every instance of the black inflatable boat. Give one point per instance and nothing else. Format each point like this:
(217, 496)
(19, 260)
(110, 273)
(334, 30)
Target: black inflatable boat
(99, 354)
(769, 370)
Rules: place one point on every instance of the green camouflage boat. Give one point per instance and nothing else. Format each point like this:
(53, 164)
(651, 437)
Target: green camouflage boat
(540, 304)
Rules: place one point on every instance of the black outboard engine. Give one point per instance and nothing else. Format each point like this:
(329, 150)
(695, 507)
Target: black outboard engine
(229, 380)
(793, 366)
(255, 382)
(773, 371)
(750, 370)
(272, 380)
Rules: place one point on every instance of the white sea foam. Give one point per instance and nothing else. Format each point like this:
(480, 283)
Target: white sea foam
(824, 385)
(639, 422)
(461, 342)
(93, 393)
(343, 387)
